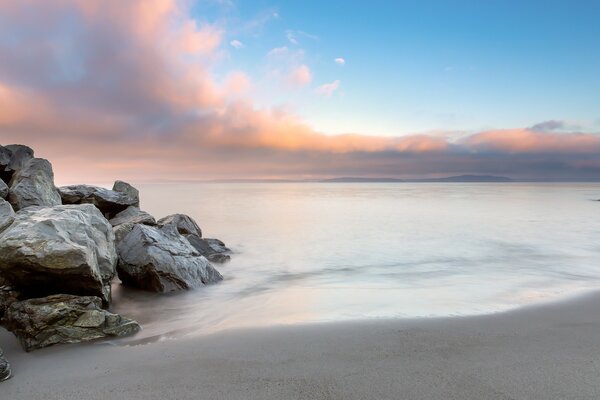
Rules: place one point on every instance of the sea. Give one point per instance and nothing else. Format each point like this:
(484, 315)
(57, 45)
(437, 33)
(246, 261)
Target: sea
(307, 253)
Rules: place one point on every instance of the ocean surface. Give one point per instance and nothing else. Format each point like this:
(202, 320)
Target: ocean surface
(315, 252)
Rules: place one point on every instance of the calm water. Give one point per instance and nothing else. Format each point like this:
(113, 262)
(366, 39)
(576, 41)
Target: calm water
(312, 252)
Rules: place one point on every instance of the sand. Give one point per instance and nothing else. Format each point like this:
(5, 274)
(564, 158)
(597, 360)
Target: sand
(542, 352)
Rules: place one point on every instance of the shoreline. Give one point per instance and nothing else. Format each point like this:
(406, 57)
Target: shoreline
(542, 351)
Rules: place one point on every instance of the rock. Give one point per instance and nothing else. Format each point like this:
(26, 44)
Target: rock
(217, 245)
(3, 190)
(33, 185)
(7, 215)
(12, 159)
(61, 249)
(64, 318)
(7, 296)
(109, 202)
(132, 215)
(122, 230)
(5, 372)
(183, 223)
(161, 260)
(127, 189)
(204, 247)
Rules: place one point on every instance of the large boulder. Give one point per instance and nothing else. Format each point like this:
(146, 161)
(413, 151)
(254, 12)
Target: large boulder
(7, 215)
(33, 185)
(132, 215)
(161, 260)
(63, 318)
(213, 249)
(61, 249)
(183, 223)
(109, 202)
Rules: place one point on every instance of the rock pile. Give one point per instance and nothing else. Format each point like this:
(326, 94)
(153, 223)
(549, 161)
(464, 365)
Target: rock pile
(60, 249)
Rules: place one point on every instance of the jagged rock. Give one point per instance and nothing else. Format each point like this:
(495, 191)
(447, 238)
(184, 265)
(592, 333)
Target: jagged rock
(109, 202)
(12, 159)
(122, 230)
(132, 215)
(63, 318)
(5, 372)
(212, 249)
(183, 223)
(217, 245)
(127, 189)
(3, 190)
(7, 215)
(161, 260)
(33, 185)
(61, 249)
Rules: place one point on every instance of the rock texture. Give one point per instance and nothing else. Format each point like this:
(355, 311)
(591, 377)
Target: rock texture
(5, 372)
(128, 190)
(61, 318)
(132, 215)
(183, 223)
(33, 185)
(7, 215)
(7, 296)
(12, 159)
(212, 249)
(3, 190)
(61, 249)
(161, 260)
(109, 202)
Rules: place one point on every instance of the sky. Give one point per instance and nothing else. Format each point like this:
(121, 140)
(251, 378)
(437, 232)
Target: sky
(169, 90)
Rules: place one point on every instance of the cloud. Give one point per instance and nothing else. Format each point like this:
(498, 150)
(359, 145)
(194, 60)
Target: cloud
(293, 36)
(328, 89)
(340, 61)
(278, 51)
(554, 125)
(236, 44)
(300, 76)
(135, 90)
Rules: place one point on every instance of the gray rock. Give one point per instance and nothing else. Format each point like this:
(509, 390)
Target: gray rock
(132, 215)
(183, 223)
(19, 156)
(217, 245)
(61, 249)
(5, 372)
(122, 230)
(127, 189)
(63, 318)
(161, 260)
(8, 295)
(204, 247)
(3, 189)
(109, 202)
(7, 215)
(33, 185)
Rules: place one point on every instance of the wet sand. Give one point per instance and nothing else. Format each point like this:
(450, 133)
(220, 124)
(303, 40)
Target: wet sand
(540, 352)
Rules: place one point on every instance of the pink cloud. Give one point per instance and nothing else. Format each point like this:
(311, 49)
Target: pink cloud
(300, 76)
(328, 89)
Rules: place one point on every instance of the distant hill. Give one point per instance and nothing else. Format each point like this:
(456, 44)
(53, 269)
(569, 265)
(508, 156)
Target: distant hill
(466, 179)
(458, 179)
(361, 180)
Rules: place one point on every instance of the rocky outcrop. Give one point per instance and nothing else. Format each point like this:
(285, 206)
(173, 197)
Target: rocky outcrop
(7, 215)
(183, 223)
(213, 249)
(132, 215)
(62, 318)
(33, 185)
(161, 260)
(61, 249)
(12, 159)
(7, 296)
(109, 202)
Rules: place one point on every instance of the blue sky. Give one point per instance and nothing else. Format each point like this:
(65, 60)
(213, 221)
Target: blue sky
(419, 66)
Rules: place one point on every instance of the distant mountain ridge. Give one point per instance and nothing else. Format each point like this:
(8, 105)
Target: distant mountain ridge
(456, 179)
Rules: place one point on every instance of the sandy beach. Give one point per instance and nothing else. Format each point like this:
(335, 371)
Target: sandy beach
(539, 352)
